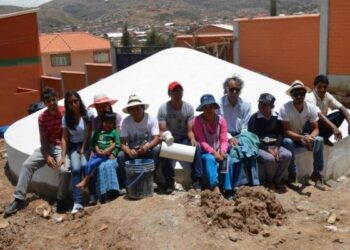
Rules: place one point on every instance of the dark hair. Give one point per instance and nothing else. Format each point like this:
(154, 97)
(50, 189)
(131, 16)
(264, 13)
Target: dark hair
(321, 78)
(233, 78)
(47, 93)
(69, 115)
(109, 116)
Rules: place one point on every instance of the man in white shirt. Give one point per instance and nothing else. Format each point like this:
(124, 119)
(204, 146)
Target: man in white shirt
(296, 116)
(139, 133)
(329, 123)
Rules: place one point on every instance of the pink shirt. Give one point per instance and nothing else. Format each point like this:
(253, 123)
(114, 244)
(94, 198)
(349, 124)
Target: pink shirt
(200, 136)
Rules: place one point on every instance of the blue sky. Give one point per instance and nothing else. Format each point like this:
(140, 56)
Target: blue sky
(24, 3)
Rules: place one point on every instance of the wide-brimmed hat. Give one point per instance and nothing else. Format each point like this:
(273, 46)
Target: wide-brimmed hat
(134, 100)
(297, 85)
(102, 98)
(207, 100)
(267, 98)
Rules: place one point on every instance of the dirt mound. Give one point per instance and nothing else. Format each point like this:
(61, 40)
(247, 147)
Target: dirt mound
(254, 206)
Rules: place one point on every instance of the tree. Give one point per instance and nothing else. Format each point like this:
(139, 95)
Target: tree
(155, 39)
(126, 39)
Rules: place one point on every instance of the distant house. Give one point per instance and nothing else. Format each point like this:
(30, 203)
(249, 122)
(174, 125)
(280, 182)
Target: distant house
(214, 39)
(69, 51)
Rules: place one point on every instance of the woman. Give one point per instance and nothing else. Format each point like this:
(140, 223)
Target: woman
(103, 182)
(76, 133)
(102, 103)
(210, 130)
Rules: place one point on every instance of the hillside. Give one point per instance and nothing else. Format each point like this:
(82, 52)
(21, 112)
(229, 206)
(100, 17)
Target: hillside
(99, 16)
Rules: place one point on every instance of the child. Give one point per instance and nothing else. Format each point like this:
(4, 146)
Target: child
(105, 143)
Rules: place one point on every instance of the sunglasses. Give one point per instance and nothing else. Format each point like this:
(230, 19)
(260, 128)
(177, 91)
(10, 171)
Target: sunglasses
(232, 90)
(298, 94)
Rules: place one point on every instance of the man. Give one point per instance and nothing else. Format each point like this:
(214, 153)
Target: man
(139, 133)
(328, 124)
(235, 110)
(49, 153)
(297, 117)
(273, 158)
(176, 116)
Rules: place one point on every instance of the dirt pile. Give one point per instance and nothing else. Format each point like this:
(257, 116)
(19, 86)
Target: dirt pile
(253, 207)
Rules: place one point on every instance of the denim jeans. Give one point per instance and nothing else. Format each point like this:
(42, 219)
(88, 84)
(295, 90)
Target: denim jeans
(212, 173)
(93, 164)
(336, 118)
(196, 165)
(78, 162)
(290, 144)
(33, 163)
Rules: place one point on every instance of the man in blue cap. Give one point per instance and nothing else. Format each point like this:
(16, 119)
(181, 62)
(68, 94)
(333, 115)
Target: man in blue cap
(273, 158)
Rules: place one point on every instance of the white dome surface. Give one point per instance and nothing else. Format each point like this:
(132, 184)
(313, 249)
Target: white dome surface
(199, 74)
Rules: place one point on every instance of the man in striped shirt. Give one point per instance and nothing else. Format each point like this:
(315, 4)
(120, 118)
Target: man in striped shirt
(49, 153)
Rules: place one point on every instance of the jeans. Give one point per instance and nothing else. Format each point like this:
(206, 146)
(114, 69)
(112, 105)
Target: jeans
(270, 170)
(212, 172)
(93, 163)
(123, 157)
(337, 118)
(196, 165)
(77, 162)
(290, 144)
(33, 163)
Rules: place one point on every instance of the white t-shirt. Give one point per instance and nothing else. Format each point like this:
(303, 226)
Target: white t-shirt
(328, 102)
(77, 135)
(298, 120)
(138, 133)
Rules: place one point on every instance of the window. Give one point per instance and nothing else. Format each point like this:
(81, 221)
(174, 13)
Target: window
(101, 56)
(60, 60)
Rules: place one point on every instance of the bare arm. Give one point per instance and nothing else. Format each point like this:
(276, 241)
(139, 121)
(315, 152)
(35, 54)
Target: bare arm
(190, 133)
(50, 161)
(288, 132)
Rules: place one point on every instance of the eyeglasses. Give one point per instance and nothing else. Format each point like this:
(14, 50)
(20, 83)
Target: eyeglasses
(231, 90)
(295, 94)
(73, 102)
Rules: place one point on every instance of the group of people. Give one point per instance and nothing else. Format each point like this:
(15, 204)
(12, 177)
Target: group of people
(91, 150)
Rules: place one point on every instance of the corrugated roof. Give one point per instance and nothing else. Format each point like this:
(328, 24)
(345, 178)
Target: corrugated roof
(71, 41)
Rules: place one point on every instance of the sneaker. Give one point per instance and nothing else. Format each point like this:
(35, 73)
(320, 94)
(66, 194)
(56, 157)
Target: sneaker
(292, 177)
(59, 206)
(16, 205)
(92, 200)
(77, 208)
(197, 185)
(316, 177)
(169, 187)
(328, 142)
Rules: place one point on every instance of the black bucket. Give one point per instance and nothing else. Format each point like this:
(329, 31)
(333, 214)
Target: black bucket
(139, 178)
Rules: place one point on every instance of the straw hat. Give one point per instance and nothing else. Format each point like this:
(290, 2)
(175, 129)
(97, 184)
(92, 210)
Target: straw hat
(134, 100)
(102, 98)
(297, 85)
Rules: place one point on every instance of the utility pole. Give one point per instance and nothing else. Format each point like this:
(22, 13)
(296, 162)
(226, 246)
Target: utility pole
(273, 7)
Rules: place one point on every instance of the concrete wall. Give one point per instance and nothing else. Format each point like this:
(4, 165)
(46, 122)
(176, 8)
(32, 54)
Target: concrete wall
(339, 38)
(20, 64)
(283, 48)
(96, 71)
(73, 80)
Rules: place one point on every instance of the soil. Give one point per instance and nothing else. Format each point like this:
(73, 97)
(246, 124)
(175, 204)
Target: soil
(303, 217)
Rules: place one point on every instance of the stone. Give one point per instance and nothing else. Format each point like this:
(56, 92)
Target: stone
(102, 227)
(332, 218)
(4, 224)
(266, 234)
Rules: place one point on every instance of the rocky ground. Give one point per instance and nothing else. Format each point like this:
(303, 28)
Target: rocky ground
(301, 218)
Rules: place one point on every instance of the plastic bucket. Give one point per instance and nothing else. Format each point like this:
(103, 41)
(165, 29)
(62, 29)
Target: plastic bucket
(139, 178)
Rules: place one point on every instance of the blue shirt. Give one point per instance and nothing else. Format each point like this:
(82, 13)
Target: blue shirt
(237, 116)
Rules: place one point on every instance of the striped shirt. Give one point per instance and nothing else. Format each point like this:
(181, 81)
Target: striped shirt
(51, 125)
